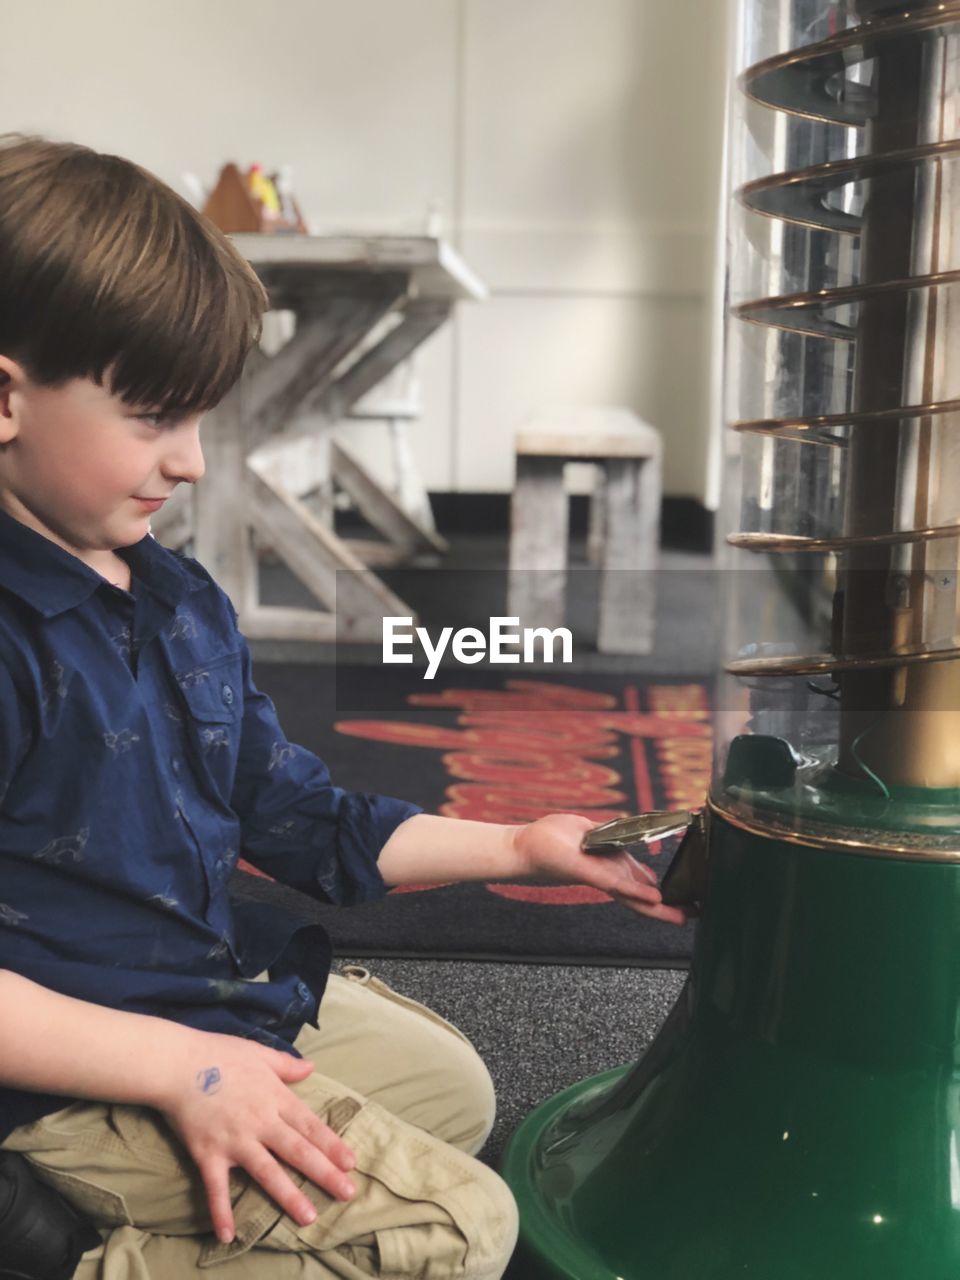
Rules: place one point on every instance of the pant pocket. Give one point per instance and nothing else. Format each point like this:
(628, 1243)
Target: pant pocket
(421, 1209)
(75, 1152)
(428, 1207)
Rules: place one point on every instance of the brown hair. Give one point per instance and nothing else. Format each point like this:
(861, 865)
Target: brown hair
(104, 268)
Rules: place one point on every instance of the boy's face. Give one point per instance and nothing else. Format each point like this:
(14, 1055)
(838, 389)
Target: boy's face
(77, 463)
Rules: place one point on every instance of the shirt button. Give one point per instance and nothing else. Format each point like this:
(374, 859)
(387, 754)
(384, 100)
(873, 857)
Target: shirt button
(174, 764)
(227, 695)
(304, 992)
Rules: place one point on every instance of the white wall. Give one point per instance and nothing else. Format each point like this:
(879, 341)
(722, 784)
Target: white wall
(573, 148)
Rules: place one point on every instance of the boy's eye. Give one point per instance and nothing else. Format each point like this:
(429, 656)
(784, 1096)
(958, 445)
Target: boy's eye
(158, 420)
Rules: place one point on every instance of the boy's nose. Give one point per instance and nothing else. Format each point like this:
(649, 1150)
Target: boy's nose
(184, 459)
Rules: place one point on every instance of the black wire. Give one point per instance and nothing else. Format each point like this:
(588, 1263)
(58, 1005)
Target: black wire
(833, 693)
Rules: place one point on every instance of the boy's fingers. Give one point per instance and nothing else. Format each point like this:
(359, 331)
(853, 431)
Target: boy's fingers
(634, 887)
(319, 1168)
(264, 1170)
(289, 1068)
(216, 1181)
(670, 915)
(623, 874)
(673, 915)
(640, 893)
(305, 1122)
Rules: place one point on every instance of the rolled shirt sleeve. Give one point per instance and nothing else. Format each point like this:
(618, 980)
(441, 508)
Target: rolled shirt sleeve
(295, 824)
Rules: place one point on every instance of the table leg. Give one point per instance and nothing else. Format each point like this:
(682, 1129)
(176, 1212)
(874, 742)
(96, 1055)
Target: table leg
(537, 581)
(629, 556)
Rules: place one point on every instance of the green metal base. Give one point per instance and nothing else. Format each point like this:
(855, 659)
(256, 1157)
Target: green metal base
(547, 1251)
(797, 1117)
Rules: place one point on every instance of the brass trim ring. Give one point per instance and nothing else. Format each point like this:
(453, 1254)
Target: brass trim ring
(836, 844)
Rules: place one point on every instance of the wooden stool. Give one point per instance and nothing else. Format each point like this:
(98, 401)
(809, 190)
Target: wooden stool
(624, 521)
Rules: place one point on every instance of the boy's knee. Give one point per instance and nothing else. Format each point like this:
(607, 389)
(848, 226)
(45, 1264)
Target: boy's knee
(477, 1242)
(473, 1103)
(496, 1233)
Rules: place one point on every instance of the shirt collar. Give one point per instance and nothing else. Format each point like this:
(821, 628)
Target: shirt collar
(51, 580)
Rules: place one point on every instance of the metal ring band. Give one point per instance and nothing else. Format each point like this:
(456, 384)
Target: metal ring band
(837, 844)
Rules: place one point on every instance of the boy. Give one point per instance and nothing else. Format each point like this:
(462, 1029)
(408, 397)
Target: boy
(160, 1063)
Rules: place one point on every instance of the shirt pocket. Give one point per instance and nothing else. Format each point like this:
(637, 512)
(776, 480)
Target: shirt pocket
(213, 698)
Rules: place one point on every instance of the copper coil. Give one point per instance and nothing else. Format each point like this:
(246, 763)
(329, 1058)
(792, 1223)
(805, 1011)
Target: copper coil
(797, 82)
(798, 195)
(811, 664)
(789, 542)
(815, 428)
(812, 82)
(778, 311)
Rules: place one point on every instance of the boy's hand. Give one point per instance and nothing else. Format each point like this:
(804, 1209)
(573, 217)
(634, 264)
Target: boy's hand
(230, 1103)
(551, 846)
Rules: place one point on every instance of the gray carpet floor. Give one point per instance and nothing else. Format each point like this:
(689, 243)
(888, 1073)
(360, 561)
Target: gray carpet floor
(539, 1028)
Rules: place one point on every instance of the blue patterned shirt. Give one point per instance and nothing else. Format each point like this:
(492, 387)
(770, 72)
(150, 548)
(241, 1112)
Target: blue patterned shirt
(138, 762)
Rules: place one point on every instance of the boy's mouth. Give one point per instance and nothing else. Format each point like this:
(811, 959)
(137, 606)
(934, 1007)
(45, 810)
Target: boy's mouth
(152, 504)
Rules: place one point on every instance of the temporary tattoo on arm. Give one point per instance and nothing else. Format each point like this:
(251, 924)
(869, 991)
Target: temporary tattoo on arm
(208, 1080)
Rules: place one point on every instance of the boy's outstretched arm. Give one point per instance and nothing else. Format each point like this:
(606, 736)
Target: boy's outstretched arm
(227, 1099)
(427, 849)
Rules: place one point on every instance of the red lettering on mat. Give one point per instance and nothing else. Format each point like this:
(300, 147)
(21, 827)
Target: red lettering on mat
(534, 748)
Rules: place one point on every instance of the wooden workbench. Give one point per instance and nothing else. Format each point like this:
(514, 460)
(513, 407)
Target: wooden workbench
(362, 305)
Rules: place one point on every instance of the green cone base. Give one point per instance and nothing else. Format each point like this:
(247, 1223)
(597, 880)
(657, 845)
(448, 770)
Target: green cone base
(798, 1115)
(548, 1251)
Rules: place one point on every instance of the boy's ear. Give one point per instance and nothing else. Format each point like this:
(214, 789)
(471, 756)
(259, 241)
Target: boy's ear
(12, 379)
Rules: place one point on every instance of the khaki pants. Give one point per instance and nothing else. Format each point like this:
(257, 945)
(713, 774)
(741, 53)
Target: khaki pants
(405, 1089)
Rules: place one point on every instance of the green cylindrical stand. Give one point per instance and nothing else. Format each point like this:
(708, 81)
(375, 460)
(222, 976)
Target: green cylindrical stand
(797, 1116)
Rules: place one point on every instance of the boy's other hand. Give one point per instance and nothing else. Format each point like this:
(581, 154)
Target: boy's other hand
(551, 846)
(230, 1103)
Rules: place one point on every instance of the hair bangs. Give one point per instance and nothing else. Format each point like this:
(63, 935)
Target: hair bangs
(183, 334)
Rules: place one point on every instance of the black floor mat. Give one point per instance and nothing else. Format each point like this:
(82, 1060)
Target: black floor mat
(476, 745)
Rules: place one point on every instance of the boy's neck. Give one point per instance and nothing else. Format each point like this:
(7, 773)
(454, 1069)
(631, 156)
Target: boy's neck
(118, 574)
(110, 566)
